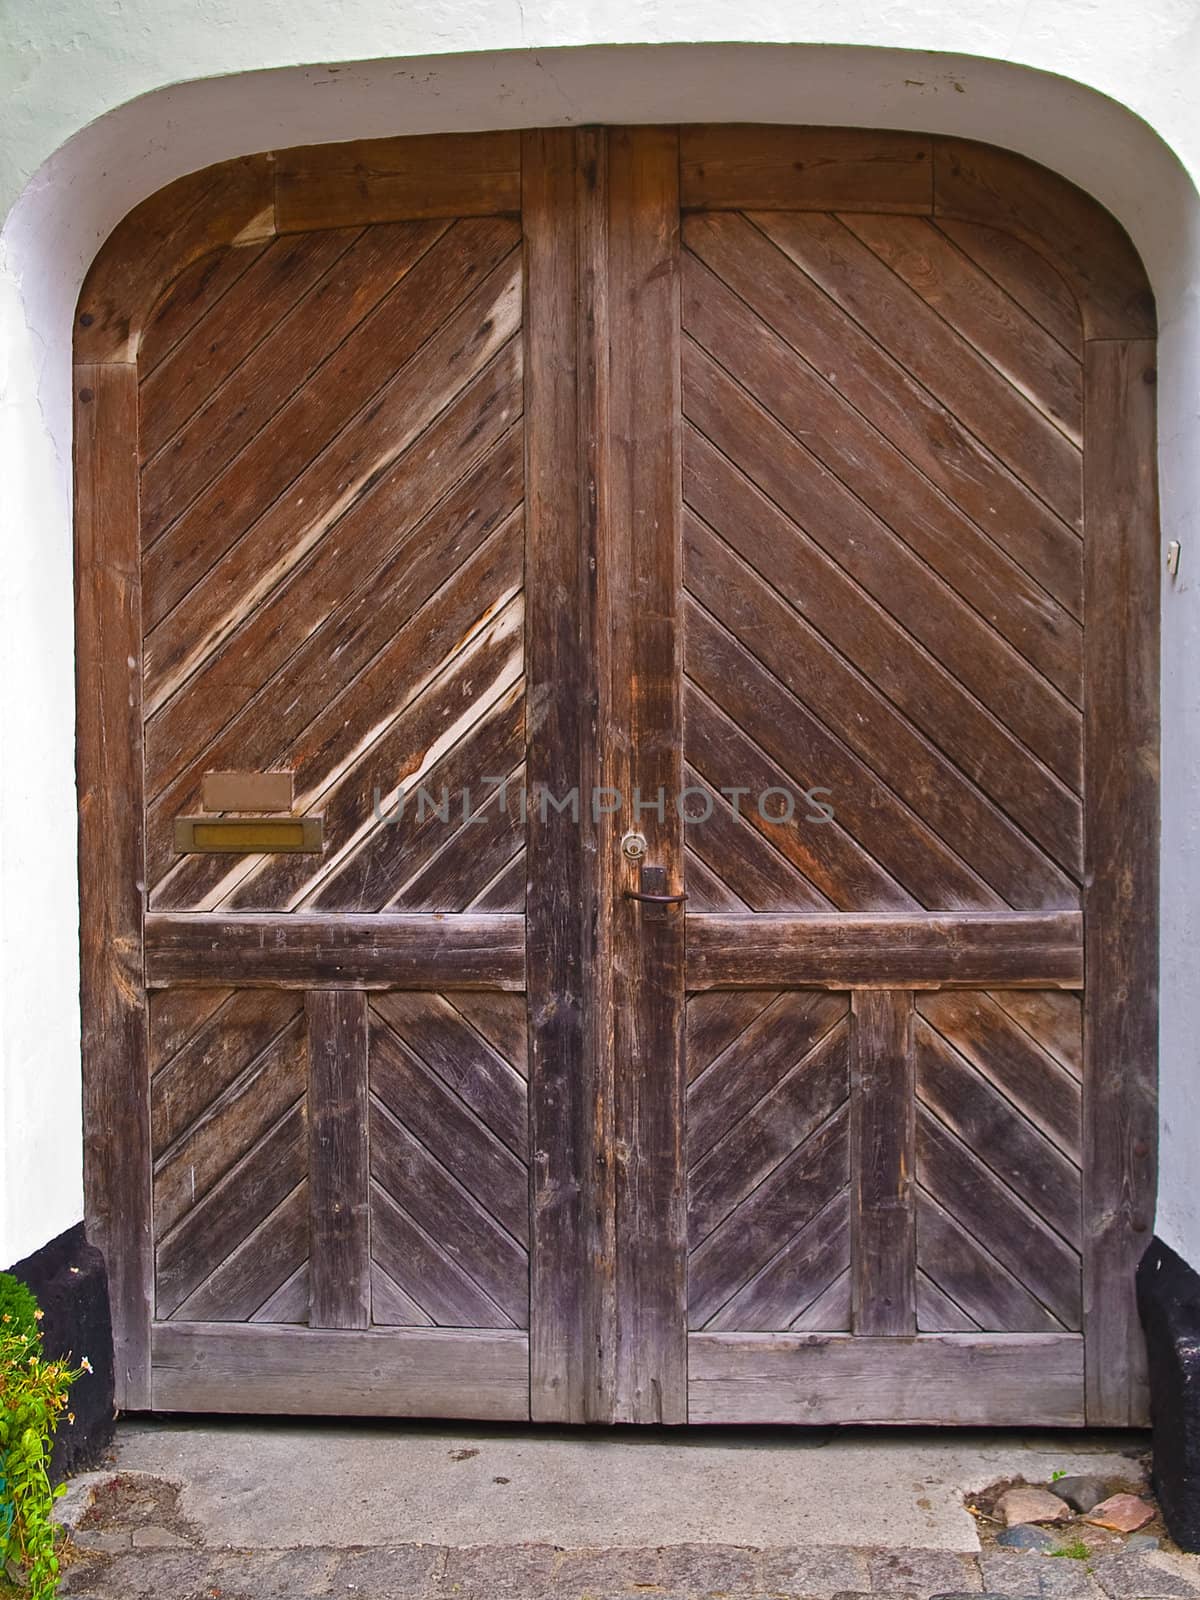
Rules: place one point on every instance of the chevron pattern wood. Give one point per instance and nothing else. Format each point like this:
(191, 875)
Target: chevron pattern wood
(882, 481)
(447, 1132)
(769, 1164)
(449, 1161)
(229, 1120)
(998, 1150)
(332, 483)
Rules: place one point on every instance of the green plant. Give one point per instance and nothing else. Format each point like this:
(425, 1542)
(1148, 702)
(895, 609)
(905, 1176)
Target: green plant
(1057, 1474)
(19, 1312)
(33, 1397)
(1075, 1551)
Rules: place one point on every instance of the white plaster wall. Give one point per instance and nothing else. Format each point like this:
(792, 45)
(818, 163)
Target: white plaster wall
(106, 102)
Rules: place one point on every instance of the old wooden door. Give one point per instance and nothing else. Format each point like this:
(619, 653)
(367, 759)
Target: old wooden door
(617, 682)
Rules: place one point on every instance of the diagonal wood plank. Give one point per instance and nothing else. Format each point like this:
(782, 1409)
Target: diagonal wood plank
(418, 1266)
(739, 858)
(223, 340)
(795, 1280)
(434, 1198)
(1024, 274)
(906, 328)
(794, 1193)
(362, 582)
(234, 1207)
(236, 1119)
(437, 1032)
(785, 1117)
(1011, 1061)
(1028, 1163)
(501, 1020)
(1052, 1018)
(825, 853)
(782, 1034)
(891, 430)
(716, 1019)
(1015, 707)
(853, 667)
(978, 310)
(973, 1278)
(450, 1131)
(390, 1305)
(341, 475)
(256, 1269)
(1042, 804)
(359, 370)
(982, 1205)
(222, 1047)
(191, 296)
(782, 727)
(191, 453)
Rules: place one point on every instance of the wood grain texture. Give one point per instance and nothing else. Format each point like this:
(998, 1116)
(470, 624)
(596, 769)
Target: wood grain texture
(380, 952)
(229, 204)
(339, 1271)
(1121, 753)
(982, 184)
(730, 166)
(882, 1132)
(934, 1378)
(644, 559)
(481, 1374)
(116, 1112)
(1013, 949)
(571, 1256)
(383, 180)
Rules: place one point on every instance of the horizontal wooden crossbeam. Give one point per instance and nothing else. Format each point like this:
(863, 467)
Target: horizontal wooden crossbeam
(1014, 950)
(459, 951)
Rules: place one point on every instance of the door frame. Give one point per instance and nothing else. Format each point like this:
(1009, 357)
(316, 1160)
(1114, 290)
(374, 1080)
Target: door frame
(594, 280)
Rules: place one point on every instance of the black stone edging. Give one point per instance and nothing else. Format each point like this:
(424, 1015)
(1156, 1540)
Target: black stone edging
(1169, 1304)
(69, 1280)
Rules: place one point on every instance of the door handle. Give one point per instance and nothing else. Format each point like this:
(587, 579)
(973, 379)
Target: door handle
(652, 883)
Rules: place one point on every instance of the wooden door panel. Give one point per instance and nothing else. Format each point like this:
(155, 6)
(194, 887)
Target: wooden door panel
(263, 1201)
(352, 629)
(765, 479)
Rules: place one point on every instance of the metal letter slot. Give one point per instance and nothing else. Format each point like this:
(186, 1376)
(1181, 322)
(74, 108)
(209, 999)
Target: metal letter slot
(237, 836)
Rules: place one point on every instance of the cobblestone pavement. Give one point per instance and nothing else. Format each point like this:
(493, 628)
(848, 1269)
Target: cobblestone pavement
(152, 1562)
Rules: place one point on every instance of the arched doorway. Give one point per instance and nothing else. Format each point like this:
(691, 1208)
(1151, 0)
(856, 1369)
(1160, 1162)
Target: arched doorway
(478, 533)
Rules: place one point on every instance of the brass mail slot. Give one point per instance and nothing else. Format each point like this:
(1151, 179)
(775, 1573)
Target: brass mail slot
(237, 836)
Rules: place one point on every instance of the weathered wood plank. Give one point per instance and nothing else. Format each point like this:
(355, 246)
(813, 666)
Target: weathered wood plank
(1029, 1163)
(644, 557)
(339, 1163)
(1016, 949)
(232, 1210)
(232, 203)
(469, 1246)
(116, 1109)
(981, 183)
(450, 1131)
(961, 1181)
(370, 952)
(385, 180)
(281, 1369)
(736, 166)
(989, 1381)
(571, 1270)
(882, 1164)
(1121, 755)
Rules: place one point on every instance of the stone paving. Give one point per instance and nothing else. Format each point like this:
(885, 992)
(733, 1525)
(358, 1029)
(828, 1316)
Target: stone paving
(153, 1563)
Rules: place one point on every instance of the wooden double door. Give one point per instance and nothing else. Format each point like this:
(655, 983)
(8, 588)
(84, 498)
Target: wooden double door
(689, 597)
